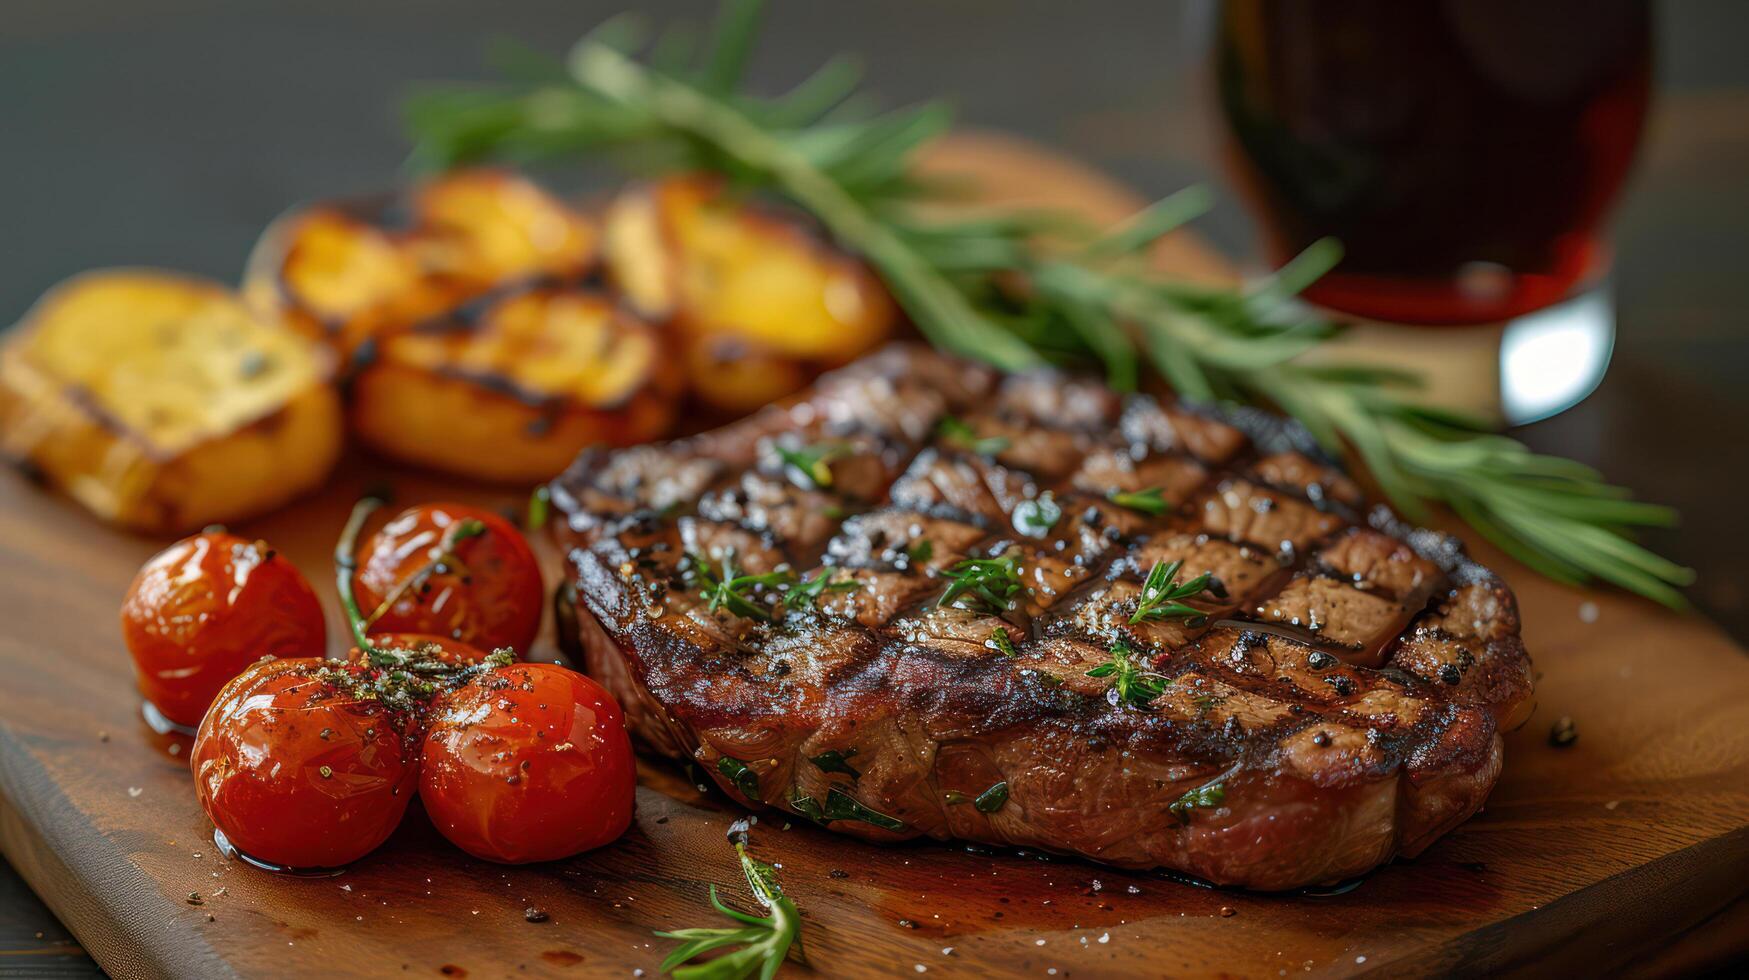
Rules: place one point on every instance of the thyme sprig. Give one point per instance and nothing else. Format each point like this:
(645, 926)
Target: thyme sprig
(990, 582)
(807, 592)
(1131, 683)
(764, 941)
(983, 288)
(1162, 595)
(764, 596)
(738, 593)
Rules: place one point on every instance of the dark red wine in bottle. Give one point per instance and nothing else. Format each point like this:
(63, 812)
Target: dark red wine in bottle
(1464, 152)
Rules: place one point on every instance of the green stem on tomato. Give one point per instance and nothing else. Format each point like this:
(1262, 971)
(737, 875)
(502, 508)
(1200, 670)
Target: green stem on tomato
(458, 532)
(346, 564)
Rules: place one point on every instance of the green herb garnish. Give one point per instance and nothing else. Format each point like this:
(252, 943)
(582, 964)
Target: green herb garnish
(840, 806)
(1000, 640)
(992, 799)
(1035, 517)
(920, 551)
(1149, 501)
(1130, 683)
(809, 591)
(1161, 594)
(346, 566)
(1207, 795)
(539, 504)
(763, 942)
(991, 582)
(962, 436)
(836, 761)
(727, 590)
(814, 462)
(960, 278)
(742, 775)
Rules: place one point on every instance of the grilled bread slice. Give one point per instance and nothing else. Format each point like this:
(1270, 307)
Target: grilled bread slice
(161, 403)
(511, 387)
(761, 304)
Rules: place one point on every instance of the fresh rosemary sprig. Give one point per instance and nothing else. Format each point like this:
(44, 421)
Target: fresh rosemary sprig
(983, 288)
(1162, 594)
(764, 942)
(1130, 683)
(990, 582)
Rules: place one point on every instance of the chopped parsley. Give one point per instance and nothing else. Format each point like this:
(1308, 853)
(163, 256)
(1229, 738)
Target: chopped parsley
(739, 773)
(836, 761)
(840, 806)
(992, 799)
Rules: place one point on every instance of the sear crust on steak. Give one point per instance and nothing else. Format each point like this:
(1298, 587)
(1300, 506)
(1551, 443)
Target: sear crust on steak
(1337, 700)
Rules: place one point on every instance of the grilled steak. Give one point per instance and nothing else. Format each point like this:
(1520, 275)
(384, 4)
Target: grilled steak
(915, 602)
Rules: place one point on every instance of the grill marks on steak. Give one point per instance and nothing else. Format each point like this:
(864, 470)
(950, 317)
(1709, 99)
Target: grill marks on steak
(1344, 693)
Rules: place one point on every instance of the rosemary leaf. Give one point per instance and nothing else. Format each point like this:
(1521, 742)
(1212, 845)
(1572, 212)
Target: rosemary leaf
(984, 288)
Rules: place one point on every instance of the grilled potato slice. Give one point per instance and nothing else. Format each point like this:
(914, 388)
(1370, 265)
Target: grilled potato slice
(348, 274)
(160, 402)
(761, 304)
(511, 391)
(491, 227)
(339, 279)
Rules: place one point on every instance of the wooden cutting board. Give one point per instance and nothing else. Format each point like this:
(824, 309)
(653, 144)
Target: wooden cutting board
(1585, 856)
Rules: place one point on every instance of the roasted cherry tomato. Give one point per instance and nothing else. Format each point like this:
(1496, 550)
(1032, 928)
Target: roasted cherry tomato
(453, 571)
(205, 608)
(528, 762)
(298, 770)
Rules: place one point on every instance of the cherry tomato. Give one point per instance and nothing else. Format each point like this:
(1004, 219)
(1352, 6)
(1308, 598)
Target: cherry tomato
(445, 649)
(528, 762)
(298, 771)
(453, 571)
(205, 608)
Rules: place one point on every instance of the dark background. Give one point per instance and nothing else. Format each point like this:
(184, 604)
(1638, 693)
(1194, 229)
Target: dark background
(168, 132)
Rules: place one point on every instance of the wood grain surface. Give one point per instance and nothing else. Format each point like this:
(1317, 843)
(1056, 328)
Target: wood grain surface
(1585, 857)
